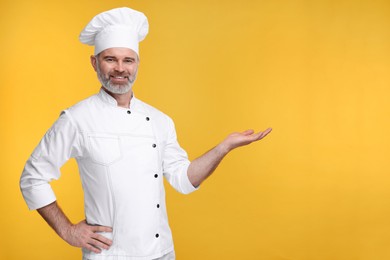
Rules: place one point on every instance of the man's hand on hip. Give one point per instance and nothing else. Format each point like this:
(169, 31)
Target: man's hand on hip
(86, 236)
(80, 235)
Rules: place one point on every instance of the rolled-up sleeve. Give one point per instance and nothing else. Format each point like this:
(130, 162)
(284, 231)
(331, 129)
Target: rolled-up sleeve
(59, 144)
(176, 163)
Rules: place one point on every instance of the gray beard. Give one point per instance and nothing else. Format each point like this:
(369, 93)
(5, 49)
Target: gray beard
(115, 88)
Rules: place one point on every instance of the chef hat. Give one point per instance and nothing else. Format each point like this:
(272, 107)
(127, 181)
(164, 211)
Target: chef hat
(119, 27)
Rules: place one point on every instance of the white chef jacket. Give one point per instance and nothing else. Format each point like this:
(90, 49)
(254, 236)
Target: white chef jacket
(122, 154)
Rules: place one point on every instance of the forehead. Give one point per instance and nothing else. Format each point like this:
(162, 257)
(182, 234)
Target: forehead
(119, 53)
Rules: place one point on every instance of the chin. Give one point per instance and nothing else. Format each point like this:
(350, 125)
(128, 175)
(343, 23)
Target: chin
(118, 89)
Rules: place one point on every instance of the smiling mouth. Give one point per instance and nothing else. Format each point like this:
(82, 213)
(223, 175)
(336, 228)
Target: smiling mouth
(119, 79)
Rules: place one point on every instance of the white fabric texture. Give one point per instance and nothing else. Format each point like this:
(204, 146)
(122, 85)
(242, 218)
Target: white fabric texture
(170, 256)
(119, 27)
(122, 155)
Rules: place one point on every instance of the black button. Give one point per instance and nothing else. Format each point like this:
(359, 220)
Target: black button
(128, 112)
(147, 118)
(158, 205)
(154, 145)
(156, 175)
(157, 235)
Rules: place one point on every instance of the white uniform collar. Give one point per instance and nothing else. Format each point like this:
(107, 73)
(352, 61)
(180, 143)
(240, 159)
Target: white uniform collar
(107, 98)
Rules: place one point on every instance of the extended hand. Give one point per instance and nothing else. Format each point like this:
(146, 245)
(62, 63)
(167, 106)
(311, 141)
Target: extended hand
(85, 236)
(235, 140)
(204, 166)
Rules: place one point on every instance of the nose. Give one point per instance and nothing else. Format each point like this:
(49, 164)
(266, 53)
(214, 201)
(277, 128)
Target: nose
(119, 67)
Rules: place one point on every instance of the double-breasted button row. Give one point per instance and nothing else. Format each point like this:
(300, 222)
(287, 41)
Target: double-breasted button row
(158, 206)
(147, 118)
(155, 175)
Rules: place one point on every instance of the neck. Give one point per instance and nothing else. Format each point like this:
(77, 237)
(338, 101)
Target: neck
(123, 100)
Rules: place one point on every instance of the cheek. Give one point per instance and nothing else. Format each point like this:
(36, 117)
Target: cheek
(105, 69)
(133, 70)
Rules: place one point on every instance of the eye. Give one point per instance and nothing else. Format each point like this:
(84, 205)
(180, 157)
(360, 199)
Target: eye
(129, 60)
(109, 59)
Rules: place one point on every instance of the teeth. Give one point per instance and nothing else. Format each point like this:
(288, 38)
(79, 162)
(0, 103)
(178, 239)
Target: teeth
(118, 77)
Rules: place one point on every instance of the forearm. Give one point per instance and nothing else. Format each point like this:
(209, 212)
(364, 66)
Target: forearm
(56, 218)
(203, 166)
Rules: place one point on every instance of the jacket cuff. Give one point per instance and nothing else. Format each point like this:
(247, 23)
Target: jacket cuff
(186, 185)
(38, 196)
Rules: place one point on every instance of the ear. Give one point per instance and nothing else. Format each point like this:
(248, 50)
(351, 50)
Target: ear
(93, 62)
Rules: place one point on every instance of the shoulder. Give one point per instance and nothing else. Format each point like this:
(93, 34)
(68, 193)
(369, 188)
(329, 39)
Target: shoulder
(82, 112)
(84, 109)
(83, 105)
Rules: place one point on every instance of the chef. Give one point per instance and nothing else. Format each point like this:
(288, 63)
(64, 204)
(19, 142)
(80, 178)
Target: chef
(123, 147)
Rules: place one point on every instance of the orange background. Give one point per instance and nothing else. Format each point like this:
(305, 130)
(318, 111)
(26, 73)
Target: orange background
(315, 71)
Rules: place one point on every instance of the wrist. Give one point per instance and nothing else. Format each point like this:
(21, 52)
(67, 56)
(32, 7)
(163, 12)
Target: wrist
(223, 148)
(66, 231)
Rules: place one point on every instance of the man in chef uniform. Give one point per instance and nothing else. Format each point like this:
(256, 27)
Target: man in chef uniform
(123, 147)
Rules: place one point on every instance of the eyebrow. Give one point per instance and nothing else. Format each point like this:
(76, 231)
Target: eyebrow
(113, 57)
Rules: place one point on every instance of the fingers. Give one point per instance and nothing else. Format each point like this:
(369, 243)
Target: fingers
(99, 241)
(101, 229)
(94, 241)
(102, 240)
(264, 133)
(92, 248)
(248, 132)
(258, 136)
(267, 131)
